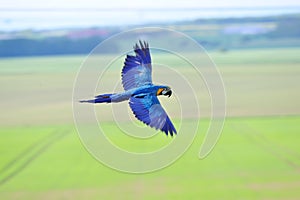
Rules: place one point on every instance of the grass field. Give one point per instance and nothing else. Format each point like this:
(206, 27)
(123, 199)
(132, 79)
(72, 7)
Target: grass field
(257, 156)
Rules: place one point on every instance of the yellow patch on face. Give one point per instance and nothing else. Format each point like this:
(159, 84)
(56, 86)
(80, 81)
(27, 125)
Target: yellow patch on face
(159, 91)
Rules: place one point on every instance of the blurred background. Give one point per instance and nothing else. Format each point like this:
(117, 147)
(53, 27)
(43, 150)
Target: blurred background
(256, 47)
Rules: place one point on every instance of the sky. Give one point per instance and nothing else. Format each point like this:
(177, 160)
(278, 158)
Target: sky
(137, 4)
(53, 14)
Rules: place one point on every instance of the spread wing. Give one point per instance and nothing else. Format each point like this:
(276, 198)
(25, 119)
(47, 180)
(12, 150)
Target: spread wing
(149, 110)
(137, 69)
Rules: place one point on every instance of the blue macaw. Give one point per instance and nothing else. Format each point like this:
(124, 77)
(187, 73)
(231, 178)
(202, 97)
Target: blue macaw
(140, 91)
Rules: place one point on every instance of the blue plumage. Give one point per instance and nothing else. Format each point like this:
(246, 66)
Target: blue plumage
(149, 110)
(140, 91)
(137, 70)
(102, 98)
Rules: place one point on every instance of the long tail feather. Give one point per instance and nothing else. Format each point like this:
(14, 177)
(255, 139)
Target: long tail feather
(103, 98)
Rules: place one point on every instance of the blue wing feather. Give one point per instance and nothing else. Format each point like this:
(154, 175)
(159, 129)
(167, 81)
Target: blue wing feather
(137, 70)
(150, 111)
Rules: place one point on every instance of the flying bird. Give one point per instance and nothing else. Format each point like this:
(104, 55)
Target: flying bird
(140, 91)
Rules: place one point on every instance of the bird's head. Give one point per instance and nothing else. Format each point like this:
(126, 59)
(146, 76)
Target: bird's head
(166, 91)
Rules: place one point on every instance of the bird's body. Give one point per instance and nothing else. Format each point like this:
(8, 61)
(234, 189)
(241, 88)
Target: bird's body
(141, 92)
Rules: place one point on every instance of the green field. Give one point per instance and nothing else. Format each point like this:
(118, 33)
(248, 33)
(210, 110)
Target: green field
(257, 156)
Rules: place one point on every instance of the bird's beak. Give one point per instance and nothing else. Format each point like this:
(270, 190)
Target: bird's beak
(169, 93)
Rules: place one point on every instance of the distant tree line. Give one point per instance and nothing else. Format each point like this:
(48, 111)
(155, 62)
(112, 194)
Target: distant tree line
(50, 46)
(287, 27)
(286, 33)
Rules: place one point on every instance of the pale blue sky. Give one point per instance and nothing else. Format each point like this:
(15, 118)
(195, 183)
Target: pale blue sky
(144, 4)
(38, 14)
